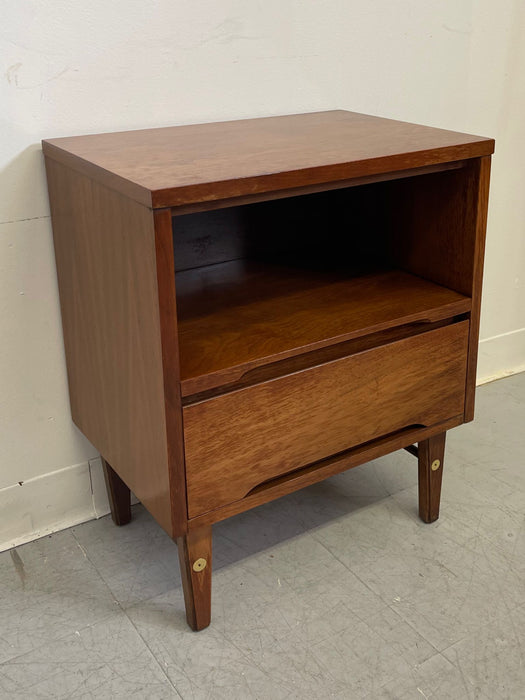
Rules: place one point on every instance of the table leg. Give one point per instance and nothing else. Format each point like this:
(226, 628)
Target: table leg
(195, 568)
(118, 494)
(431, 453)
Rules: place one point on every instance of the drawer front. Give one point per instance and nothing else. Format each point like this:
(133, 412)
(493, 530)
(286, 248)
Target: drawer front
(237, 441)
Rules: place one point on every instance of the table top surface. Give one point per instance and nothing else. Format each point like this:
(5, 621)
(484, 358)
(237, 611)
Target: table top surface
(180, 165)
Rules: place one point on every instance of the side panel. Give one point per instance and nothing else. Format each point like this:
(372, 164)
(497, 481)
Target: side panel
(479, 215)
(107, 274)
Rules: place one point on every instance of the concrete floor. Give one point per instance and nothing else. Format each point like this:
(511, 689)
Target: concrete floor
(338, 591)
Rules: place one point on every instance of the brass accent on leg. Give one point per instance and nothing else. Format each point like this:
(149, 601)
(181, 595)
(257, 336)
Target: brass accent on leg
(435, 465)
(199, 564)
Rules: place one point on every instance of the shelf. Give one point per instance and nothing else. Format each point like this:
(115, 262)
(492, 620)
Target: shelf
(238, 315)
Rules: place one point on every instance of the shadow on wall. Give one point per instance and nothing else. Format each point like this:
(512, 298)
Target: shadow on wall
(23, 187)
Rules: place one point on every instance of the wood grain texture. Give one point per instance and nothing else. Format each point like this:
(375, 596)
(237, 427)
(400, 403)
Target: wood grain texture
(107, 276)
(119, 495)
(322, 470)
(449, 247)
(237, 441)
(167, 304)
(479, 216)
(205, 162)
(433, 231)
(306, 360)
(308, 190)
(429, 451)
(196, 585)
(236, 316)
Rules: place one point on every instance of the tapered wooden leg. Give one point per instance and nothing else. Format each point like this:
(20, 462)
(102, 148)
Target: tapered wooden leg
(118, 494)
(431, 453)
(195, 569)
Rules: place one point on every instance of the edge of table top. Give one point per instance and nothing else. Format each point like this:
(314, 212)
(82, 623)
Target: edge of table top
(176, 166)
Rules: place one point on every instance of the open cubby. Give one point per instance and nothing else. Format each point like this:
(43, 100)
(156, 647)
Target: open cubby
(259, 283)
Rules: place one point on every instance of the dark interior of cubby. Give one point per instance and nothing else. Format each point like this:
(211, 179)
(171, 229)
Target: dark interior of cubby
(259, 283)
(340, 228)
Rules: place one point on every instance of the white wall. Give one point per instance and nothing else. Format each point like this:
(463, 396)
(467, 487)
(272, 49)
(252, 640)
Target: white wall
(71, 67)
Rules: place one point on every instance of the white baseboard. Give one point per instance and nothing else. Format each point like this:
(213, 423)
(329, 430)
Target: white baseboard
(501, 356)
(52, 502)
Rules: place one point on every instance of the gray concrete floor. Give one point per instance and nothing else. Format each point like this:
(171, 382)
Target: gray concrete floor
(338, 591)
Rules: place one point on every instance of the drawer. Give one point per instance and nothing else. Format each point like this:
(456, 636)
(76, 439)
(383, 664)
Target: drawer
(239, 440)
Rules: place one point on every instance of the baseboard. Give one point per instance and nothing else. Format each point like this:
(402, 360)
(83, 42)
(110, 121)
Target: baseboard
(52, 502)
(501, 356)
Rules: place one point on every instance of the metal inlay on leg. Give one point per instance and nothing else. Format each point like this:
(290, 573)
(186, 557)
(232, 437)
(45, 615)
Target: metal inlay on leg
(435, 465)
(199, 564)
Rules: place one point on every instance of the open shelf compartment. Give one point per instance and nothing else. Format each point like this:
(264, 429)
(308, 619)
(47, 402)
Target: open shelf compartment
(262, 283)
(238, 315)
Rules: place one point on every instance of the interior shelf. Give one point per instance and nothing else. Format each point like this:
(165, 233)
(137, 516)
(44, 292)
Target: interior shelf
(238, 315)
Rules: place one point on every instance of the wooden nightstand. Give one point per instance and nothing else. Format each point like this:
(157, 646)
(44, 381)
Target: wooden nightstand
(252, 306)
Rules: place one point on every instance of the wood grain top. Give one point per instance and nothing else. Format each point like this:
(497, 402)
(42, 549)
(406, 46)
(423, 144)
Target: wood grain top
(179, 165)
(235, 316)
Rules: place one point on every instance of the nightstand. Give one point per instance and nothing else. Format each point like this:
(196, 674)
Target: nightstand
(250, 307)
